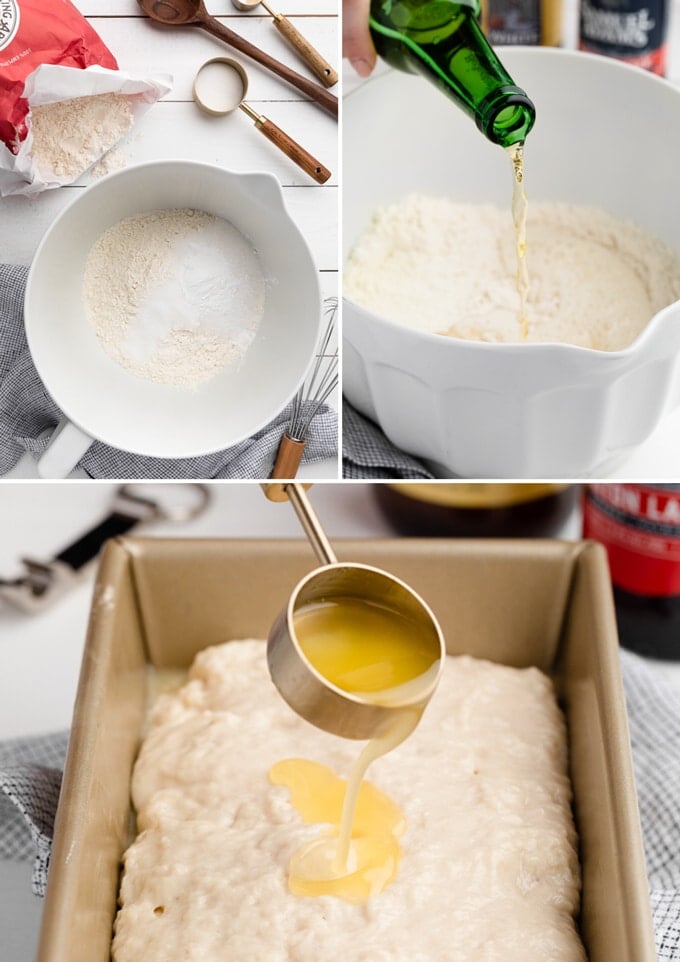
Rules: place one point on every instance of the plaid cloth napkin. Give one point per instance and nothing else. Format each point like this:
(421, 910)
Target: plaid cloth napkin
(366, 452)
(654, 720)
(29, 777)
(27, 412)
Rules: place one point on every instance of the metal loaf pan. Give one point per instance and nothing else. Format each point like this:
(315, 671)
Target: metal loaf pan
(157, 602)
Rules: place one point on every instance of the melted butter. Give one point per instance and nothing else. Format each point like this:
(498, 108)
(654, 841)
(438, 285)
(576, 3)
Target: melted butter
(376, 653)
(520, 206)
(365, 648)
(318, 794)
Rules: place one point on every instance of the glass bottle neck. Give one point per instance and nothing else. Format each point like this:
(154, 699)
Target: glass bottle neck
(506, 116)
(444, 42)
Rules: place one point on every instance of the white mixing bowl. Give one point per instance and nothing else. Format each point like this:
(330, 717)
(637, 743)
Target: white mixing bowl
(103, 400)
(607, 135)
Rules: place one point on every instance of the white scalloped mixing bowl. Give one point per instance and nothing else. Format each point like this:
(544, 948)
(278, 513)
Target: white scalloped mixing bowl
(606, 135)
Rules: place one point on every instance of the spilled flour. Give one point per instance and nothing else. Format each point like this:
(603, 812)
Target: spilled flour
(449, 268)
(174, 295)
(71, 135)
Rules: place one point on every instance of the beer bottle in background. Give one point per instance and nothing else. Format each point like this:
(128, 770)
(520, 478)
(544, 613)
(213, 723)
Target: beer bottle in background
(523, 22)
(443, 41)
(639, 525)
(630, 30)
(476, 510)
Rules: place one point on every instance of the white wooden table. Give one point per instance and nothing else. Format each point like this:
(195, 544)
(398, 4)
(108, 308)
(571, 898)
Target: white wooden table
(175, 128)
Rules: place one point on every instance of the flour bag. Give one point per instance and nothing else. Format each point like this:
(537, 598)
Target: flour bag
(63, 101)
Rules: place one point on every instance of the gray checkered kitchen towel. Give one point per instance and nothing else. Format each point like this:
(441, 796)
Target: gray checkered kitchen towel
(28, 414)
(29, 777)
(366, 452)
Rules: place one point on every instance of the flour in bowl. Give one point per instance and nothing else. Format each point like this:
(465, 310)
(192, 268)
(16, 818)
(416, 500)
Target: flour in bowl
(489, 867)
(449, 268)
(174, 295)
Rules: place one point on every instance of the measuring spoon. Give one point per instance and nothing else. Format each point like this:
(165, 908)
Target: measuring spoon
(178, 13)
(220, 87)
(311, 56)
(308, 692)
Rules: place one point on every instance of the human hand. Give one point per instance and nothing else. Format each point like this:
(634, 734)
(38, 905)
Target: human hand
(357, 45)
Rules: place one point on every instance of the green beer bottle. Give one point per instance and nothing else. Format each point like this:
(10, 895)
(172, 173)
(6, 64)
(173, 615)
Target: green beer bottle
(444, 42)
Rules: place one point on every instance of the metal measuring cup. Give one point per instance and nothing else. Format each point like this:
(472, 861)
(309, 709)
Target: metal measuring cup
(305, 689)
(232, 88)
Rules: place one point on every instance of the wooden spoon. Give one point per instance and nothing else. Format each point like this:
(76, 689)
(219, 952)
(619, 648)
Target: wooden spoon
(176, 13)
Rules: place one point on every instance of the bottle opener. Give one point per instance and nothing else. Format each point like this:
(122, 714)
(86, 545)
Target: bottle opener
(44, 582)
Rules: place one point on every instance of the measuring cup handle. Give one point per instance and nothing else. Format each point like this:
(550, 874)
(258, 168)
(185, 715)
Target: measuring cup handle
(292, 149)
(322, 96)
(296, 494)
(311, 56)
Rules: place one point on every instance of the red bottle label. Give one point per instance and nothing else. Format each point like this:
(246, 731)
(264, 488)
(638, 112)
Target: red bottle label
(640, 527)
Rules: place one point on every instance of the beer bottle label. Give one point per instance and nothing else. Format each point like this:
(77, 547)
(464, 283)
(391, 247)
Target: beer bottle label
(640, 527)
(513, 23)
(626, 29)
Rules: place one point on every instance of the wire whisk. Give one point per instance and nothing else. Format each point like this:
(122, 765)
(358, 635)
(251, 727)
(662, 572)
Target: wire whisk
(315, 391)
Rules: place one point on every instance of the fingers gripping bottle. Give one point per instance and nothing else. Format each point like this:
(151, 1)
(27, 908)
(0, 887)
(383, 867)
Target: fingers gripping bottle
(443, 41)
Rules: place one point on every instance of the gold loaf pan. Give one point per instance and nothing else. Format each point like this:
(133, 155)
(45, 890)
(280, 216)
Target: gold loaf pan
(158, 602)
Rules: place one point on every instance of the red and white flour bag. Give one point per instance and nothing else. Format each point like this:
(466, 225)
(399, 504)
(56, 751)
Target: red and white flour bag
(63, 101)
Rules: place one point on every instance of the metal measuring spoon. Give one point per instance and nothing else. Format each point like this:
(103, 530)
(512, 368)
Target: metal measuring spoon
(309, 54)
(178, 13)
(307, 691)
(220, 87)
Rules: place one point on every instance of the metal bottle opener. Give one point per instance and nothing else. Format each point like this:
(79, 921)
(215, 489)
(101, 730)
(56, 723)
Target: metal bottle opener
(44, 582)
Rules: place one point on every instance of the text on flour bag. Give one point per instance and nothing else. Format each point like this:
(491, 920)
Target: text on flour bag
(36, 32)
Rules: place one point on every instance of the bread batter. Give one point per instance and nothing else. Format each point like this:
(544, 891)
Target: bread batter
(489, 868)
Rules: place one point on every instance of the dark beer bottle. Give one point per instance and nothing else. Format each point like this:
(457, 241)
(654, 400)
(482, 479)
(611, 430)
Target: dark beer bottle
(443, 41)
(476, 510)
(510, 22)
(631, 30)
(639, 524)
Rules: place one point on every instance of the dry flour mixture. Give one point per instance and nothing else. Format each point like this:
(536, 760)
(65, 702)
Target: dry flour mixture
(63, 101)
(174, 295)
(70, 136)
(449, 268)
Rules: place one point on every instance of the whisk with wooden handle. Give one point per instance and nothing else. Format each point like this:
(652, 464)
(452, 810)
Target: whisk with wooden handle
(315, 391)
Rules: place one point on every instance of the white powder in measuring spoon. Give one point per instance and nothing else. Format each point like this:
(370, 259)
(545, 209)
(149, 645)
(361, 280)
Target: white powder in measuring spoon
(174, 295)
